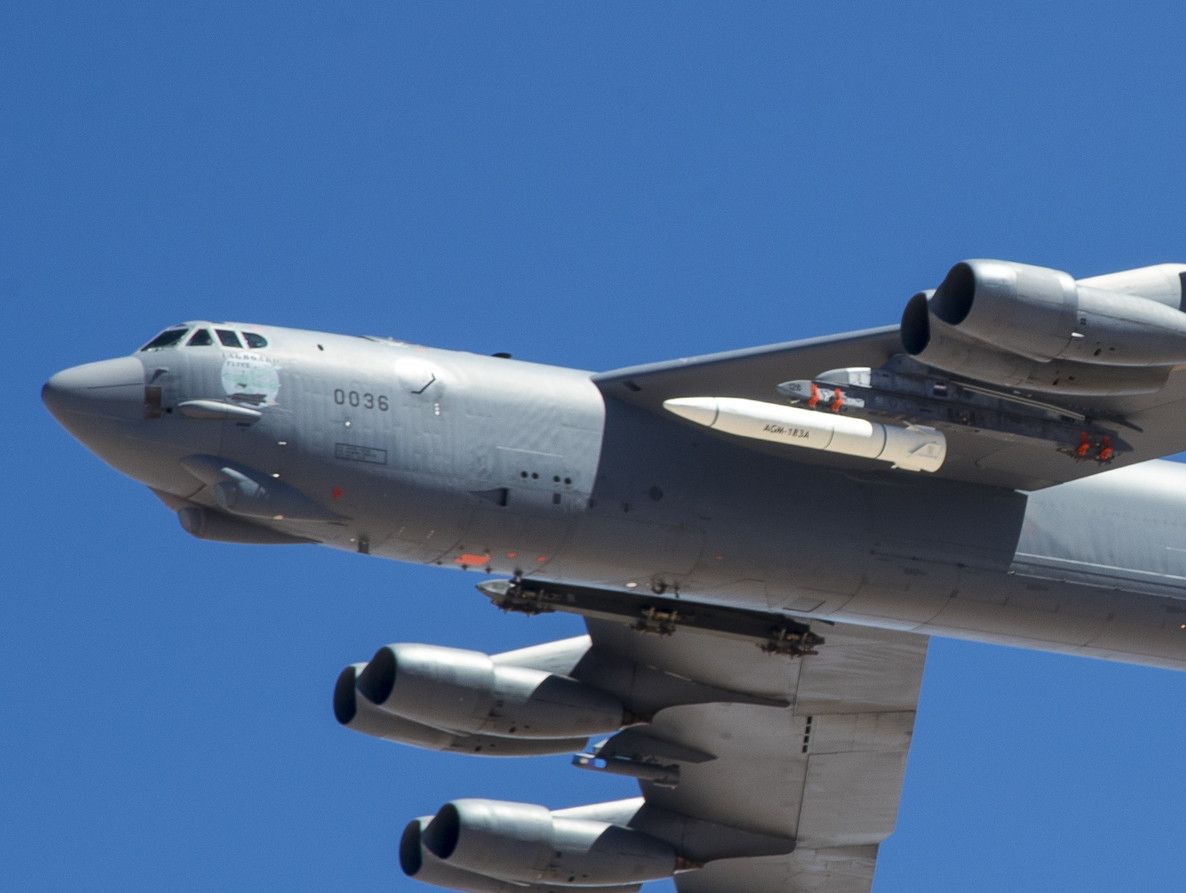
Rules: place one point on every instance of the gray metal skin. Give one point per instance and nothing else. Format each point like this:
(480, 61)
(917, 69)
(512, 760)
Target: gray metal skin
(504, 467)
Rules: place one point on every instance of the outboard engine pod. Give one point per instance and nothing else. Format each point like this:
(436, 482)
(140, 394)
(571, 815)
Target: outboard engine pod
(1045, 315)
(940, 345)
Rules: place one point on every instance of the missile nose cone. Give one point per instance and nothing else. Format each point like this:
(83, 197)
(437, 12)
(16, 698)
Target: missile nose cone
(108, 388)
(795, 389)
(701, 410)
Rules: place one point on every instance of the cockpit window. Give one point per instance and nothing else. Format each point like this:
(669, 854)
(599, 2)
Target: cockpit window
(254, 340)
(227, 338)
(167, 338)
(200, 338)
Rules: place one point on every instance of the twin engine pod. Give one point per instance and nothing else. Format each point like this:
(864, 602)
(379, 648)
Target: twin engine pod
(491, 846)
(1017, 325)
(358, 714)
(465, 701)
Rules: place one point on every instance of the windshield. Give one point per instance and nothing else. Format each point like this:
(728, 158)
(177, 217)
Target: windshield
(167, 338)
(201, 337)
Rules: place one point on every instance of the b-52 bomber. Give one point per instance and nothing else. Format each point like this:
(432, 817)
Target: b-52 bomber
(759, 542)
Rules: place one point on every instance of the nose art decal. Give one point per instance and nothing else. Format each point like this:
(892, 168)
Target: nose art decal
(250, 378)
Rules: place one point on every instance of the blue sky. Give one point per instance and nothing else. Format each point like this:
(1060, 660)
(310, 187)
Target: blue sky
(587, 186)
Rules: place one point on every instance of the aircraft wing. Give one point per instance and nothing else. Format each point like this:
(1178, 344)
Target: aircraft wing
(824, 772)
(1149, 425)
(750, 372)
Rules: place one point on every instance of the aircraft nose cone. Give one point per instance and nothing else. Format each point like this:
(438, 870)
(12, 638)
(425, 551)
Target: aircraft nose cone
(113, 388)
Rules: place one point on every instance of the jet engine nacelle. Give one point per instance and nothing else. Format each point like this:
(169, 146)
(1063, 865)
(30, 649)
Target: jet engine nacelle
(930, 340)
(360, 715)
(466, 691)
(421, 865)
(1046, 315)
(527, 843)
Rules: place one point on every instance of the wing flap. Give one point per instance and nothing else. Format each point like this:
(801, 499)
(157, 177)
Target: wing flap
(829, 870)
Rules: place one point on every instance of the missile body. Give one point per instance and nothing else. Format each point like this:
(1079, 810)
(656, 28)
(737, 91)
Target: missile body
(914, 447)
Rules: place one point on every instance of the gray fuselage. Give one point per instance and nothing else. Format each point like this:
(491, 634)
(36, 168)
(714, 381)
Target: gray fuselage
(506, 467)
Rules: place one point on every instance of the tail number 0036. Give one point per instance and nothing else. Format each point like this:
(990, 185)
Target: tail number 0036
(361, 399)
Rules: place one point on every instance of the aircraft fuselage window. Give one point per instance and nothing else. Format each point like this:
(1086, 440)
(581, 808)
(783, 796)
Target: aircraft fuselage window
(167, 338)
(228, 338)
(200, 338)
(254, 340)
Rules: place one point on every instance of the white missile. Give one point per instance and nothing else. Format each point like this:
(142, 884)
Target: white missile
(913, 447)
